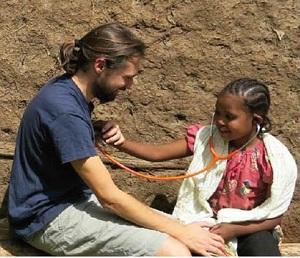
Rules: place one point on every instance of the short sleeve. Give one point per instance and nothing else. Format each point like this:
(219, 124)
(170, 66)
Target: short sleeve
(191, 135)
(72, 137)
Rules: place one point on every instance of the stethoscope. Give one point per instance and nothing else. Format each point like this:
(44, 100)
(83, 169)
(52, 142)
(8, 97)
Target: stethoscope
(215, 158)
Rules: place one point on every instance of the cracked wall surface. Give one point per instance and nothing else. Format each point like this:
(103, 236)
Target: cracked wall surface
(194, 49)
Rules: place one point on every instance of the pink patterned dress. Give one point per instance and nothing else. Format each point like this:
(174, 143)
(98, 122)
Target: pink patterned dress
(247, 179)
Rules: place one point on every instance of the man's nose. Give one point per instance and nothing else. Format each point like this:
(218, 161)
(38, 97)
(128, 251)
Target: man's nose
(129, 84)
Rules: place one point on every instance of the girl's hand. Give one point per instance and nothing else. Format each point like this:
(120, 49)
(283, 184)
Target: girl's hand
(109, 132)
(225, 230)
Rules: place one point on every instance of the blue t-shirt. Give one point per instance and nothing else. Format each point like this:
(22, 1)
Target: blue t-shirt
(55, 129)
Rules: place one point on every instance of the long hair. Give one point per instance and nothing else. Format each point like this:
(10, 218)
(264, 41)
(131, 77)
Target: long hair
(112, 41)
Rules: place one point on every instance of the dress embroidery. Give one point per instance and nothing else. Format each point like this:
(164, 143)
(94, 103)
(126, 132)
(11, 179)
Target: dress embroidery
(229, 186)
(254, 158)
(246, 180)
(246, 187)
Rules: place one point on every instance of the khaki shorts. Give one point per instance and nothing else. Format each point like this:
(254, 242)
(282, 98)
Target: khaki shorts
(87, 229)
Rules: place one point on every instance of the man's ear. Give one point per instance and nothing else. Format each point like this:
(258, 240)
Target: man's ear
(99, 64)
(257, 119)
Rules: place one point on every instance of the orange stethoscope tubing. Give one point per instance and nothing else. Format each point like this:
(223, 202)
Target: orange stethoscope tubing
(215, 158)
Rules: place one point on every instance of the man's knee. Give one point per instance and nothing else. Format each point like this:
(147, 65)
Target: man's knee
(173, 247)
(258, 244)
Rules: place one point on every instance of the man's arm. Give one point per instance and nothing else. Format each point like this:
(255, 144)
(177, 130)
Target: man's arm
(231, 230)
(96, 176)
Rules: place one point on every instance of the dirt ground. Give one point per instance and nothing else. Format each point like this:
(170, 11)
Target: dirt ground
(194, 49)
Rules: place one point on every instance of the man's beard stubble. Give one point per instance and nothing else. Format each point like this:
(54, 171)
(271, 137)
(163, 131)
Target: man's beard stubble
(104, 93)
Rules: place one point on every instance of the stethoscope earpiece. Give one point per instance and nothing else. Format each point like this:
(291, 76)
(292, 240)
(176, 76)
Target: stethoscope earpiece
(258, 128)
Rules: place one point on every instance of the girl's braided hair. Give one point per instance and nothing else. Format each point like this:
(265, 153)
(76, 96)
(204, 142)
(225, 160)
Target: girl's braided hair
(256, 95)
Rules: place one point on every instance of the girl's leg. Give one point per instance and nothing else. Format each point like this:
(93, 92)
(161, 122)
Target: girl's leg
(261, 243)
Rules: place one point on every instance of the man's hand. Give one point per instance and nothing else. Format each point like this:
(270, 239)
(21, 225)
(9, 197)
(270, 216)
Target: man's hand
(201, 241)
(109, 132)
(225, 230)
(97, 177)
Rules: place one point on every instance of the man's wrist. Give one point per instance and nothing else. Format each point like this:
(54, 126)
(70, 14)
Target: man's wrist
(174, 228)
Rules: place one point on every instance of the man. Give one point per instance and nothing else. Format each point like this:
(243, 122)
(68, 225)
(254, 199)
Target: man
(56, 168)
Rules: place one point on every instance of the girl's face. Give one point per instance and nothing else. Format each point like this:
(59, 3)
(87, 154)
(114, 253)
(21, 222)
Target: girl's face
(233, 119)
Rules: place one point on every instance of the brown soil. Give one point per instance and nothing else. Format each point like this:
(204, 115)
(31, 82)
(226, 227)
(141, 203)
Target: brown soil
(195, 48)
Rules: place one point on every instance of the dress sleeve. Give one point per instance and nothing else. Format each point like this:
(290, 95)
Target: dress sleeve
(191, 135)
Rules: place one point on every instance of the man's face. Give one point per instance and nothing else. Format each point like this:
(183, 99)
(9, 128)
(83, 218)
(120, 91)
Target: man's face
(110, 81)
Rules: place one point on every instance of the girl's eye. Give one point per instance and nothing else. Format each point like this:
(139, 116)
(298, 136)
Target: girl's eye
(229, 117)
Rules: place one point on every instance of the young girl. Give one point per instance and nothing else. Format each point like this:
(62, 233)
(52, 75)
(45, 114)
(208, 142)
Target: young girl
(245, 195)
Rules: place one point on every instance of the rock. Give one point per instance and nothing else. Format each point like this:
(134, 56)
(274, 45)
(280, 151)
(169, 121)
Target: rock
(10, 246)
(288, 249)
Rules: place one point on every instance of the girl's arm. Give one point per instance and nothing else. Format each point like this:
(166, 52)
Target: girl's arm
(156, 152)
(231, 230)
(111, 134)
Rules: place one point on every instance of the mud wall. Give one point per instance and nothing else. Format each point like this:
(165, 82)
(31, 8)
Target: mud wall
(195, 48)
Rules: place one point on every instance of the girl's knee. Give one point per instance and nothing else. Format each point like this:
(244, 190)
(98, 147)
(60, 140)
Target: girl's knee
(173, 247)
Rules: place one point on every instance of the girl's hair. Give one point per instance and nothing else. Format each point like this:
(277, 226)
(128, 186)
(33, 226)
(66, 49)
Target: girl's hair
(115, 42)
(256, 96)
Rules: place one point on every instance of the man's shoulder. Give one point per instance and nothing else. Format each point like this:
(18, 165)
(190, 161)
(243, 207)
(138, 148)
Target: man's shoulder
(61, 94)
(57, 97)
(58, 86)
